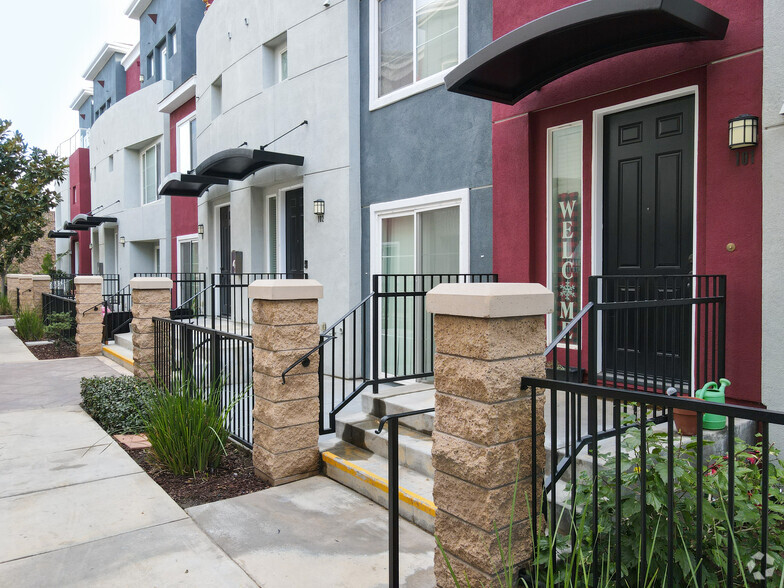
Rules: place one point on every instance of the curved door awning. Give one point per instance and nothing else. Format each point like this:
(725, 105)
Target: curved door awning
(561, 42)
(62, 234)
(179, 184)
(76, 227)
(92, 221)
(238, 164)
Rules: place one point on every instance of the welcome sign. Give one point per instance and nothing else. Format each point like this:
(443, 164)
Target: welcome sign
(567, 258)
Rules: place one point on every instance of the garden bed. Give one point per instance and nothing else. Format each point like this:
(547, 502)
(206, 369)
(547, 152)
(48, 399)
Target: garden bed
(50, 350)
(234, 477)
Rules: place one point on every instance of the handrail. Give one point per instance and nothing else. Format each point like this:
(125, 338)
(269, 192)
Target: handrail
(117, 329)
(401, 415)
(325, 338)
(200, 292)
(568, 328)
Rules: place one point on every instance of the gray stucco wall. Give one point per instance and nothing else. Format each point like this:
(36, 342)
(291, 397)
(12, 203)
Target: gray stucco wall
(773, 211)
(431, 142)
(113, 77)
(89, 116)
(184, 16)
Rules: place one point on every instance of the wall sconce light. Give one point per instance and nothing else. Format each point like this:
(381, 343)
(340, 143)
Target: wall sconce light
(91, 245)
(122, 241)
(229, 35)
(743, 132)
(141, 78)
(318, 209)
(200, 229)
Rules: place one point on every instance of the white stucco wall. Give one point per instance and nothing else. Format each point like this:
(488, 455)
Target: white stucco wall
(62, 213)
(319, 89)
(121, 133)
(773, 211)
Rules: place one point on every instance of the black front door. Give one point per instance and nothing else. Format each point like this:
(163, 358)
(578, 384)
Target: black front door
(224, 236)
(647, 237)
(295, 234)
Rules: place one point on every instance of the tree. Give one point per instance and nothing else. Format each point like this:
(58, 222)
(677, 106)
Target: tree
(25, 196)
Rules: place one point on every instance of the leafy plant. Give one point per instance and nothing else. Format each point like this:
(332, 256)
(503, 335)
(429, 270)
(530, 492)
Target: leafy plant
(186, 425)
(716, 532)
(116, 402)
(30, 325)
(5, 305)
(58, 325)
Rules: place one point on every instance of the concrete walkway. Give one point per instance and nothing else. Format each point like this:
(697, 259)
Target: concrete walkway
(12, 350)
(76, 510)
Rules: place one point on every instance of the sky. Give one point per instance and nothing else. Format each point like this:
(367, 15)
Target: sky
(47, 46)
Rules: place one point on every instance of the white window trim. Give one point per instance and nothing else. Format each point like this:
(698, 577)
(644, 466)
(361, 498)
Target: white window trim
(267, 248)
(192, 238)
(279, 50)
(173, 37)
(404, 207)
(374, 100)
(281, 213)
(141, 174)
(550, 285)
(164, 58)
(185, 121)
(597, 183)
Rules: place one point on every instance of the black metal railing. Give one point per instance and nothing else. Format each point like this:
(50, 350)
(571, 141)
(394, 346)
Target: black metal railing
(51, 303)
(230, 307)
(387, 337)
(646, 503)
(393, 481)
(117, 312)
(184, 286)
(203, 358)
(62, 283)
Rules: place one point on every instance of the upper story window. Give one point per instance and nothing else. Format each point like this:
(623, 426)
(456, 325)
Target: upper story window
(151, 173)
(173, 42)
(151, 66)
(413, 43)
(186, 145)
(216, 92)
(282, 62)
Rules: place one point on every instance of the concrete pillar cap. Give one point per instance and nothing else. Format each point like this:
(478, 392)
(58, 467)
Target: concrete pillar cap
(14, 275)
(151, 284)
(83, 280)
(490, 300)
(285, 290)
(39, 278)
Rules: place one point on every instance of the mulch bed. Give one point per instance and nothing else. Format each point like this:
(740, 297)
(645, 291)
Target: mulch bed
(234, 477)
(56, 350)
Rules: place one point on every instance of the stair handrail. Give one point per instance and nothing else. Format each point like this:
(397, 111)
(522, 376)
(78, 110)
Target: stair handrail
(324, 338)
(199, 293)
(568, 328)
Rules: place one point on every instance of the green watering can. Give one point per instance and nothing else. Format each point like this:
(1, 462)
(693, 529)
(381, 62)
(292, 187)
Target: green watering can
(713, 393)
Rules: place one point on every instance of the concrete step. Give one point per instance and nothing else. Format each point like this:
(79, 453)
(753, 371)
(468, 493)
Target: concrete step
(119, 354)
(414, 448)
(403, 399)
(367, 473)
(124, 340)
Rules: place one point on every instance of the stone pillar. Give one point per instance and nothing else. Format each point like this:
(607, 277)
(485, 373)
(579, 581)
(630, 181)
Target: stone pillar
(285, 416)
(41, 284)
(150, 297)
(25, 285)
(12, 283)
(487, 336)
(89, 318)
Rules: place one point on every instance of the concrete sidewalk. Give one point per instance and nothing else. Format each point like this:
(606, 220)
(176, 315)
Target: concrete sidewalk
(12, 349)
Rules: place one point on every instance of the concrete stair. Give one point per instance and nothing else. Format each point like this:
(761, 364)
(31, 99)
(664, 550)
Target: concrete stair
(356, 456)
(120, 350)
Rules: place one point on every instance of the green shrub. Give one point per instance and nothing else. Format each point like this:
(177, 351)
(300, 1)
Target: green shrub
(30, 325)
(186, 426)
(116, 403)
(58, 325)
(5, 304)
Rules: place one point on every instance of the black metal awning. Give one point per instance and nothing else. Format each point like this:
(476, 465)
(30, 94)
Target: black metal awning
(76, 227)
(92, 221)
(179, 184)
(238, 164)
(62, 234)
(545, 49)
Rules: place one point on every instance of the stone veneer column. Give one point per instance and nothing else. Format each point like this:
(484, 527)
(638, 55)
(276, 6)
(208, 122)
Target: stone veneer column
(487, 336)
(89, 318)
(150, 297)
(25, 284)
(41, 284)
(285, 416)
(12, 283)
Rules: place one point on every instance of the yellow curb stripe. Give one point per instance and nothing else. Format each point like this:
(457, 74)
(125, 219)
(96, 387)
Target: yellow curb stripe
(412, 498)
(108, 350)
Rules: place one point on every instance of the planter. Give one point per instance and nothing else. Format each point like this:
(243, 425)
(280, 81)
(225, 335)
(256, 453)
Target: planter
(574, 375)
(685, 420)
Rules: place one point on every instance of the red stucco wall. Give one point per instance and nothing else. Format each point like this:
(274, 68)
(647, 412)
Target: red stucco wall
(728, 77)
(184, 210)
(79, 173)
(132, 82)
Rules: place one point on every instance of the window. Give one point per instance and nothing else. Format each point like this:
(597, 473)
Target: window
(151, 172)
(164, 66)
(161, 59)
(186, 145)
(272, 233)
(156, 260)
(188, 263)
(282, 62)
(151, 66)
(173, 42)
(111, 163)
(74, 194)
(215, 95)
(565, 175)
(413, 44)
